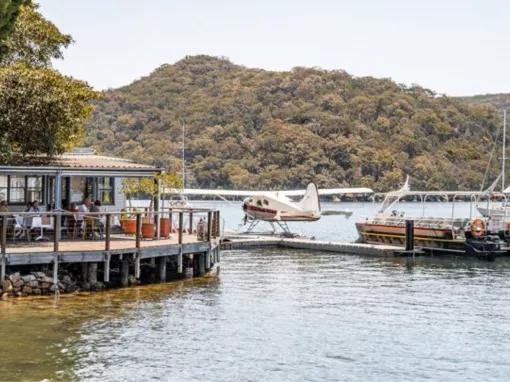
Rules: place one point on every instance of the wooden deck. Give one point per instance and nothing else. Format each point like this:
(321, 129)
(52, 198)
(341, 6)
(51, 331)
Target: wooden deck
(118, 242)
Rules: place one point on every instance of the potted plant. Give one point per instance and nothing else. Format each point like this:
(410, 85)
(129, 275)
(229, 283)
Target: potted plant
(168, 181)
(128, 219)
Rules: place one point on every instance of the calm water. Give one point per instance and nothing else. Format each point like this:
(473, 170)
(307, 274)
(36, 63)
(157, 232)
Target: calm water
(276, 315)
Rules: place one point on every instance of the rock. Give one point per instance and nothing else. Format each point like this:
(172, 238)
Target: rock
(85, 285)
(7, 285)
(27, 290)
(66, 280)
(45, 285)
(47, 279)
(36, 291)
(19, 294)
(132, 280)
(5, 296)
(15, 277)
(39, 275)
(33, 284)
(98, 286)
(28, 278)
(18, 284)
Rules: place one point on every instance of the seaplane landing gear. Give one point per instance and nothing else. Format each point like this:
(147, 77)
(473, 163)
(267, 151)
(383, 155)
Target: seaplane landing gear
(285, 231)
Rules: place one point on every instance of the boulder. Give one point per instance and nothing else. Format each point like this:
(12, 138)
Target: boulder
(36, 291)
(39, 275)
(7, 285)
(33, 284)
(28, 278)
(15, 277)
(27, 290)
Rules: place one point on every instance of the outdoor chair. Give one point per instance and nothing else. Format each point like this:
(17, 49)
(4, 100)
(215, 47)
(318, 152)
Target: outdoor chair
(38, 224)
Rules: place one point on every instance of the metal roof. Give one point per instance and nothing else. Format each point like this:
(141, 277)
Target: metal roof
(83, 162)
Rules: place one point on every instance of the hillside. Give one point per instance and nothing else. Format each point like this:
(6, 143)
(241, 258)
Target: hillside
(252, 128)
(498, 101)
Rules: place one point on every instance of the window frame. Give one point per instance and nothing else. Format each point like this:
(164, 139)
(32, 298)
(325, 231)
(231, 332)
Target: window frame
(25, 188)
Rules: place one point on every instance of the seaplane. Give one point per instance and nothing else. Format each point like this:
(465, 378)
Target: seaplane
(278, 207)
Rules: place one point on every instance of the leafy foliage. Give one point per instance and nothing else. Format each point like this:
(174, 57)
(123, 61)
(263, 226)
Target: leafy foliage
(9, 10)
(262, 129)
(41, 111)
(34, 40)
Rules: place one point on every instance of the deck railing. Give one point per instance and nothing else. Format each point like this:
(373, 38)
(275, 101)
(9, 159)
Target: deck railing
(26, 228)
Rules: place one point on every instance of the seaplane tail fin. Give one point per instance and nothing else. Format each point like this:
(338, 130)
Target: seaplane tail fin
(310, 201)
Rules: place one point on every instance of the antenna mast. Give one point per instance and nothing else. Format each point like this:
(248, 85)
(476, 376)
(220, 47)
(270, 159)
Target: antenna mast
(504, 153)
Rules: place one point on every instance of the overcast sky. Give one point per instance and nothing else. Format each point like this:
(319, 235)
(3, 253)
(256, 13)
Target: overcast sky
(456, 47)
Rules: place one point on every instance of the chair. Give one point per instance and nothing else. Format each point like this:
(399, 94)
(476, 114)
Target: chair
(19, 230)
(39, 224)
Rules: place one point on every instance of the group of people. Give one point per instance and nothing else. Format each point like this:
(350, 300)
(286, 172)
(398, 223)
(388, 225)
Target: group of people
(86, 206)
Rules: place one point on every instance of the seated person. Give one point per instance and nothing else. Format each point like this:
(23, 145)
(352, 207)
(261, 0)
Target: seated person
(3, 206)
(35, 207)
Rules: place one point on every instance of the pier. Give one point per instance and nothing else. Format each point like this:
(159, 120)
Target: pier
(251, 241)
(99, 254)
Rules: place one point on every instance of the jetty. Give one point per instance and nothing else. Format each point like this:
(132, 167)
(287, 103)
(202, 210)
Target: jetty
(241, 241)
(101, 253)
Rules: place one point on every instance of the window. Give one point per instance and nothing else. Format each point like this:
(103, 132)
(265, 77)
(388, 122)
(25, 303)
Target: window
(3, 187)
(34, 188)
(105, 190)
(17, 189)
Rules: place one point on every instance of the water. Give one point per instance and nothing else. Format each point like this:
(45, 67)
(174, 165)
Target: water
(279, 315)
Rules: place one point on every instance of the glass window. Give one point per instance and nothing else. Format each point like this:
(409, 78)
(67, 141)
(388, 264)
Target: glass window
(77, 189)
(105, 190)
(3, 187)
(16, 189)
(34, 188)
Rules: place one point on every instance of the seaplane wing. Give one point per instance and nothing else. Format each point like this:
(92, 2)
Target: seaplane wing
(247, 193)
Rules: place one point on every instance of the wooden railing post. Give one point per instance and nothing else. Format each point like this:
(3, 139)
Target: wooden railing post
(218, 224)
(56, 231)
(191, 222)
(3, 242)
(209, 225)
(181, 226)
(108, 232)
(138, 229)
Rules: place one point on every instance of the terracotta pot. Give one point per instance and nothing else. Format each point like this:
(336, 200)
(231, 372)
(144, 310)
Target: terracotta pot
(148, 230)
(165, 227)
(129, 226)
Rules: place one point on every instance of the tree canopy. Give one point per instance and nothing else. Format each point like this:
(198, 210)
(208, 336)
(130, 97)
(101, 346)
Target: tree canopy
(262, 129)
(9, 10)
(41, 111)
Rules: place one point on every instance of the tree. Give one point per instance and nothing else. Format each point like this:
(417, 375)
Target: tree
(34, 40)
(9, 10)
(41, 111)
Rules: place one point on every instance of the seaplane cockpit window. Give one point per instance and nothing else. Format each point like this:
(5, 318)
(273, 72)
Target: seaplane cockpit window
(266, 202)
(259, 203)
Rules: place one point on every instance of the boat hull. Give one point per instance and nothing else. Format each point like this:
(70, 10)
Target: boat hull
(434, 238)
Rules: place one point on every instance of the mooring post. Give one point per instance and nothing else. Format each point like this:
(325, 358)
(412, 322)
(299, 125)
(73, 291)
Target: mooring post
(137, 266)
(108, 232)
(124, 272)
(162, 269)
(138, 229)
(207, 264)
(106, 272)
(209, 225)
(84, 271)
(56, 231)
(409, 236)
(3, 241)
(190, 223)
(92, 278)
(201, 264)
(179, 260)
(55, 273)
(181, 226)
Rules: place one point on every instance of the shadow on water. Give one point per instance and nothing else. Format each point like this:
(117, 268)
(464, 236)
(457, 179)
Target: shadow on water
(39, 336)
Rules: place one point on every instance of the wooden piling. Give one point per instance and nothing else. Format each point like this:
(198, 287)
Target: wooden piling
(106, 272)
(190, 223)
(201, 264)
(207, 261)
(162, 269)
(84, 271)
(179, 261)
(124, 272)
(55, 272)
(137, 266)
(92, 274)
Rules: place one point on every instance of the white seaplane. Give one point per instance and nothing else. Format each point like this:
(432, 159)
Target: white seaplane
(277, 207)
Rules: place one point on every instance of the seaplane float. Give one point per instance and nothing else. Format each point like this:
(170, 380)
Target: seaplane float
(485, 237)
(279, 207)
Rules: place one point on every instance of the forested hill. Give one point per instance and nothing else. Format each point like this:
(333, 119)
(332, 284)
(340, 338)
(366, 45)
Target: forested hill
(252, 128)
(499, 101)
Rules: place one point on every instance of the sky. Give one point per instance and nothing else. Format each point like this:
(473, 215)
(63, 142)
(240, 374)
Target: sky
(454, 47)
